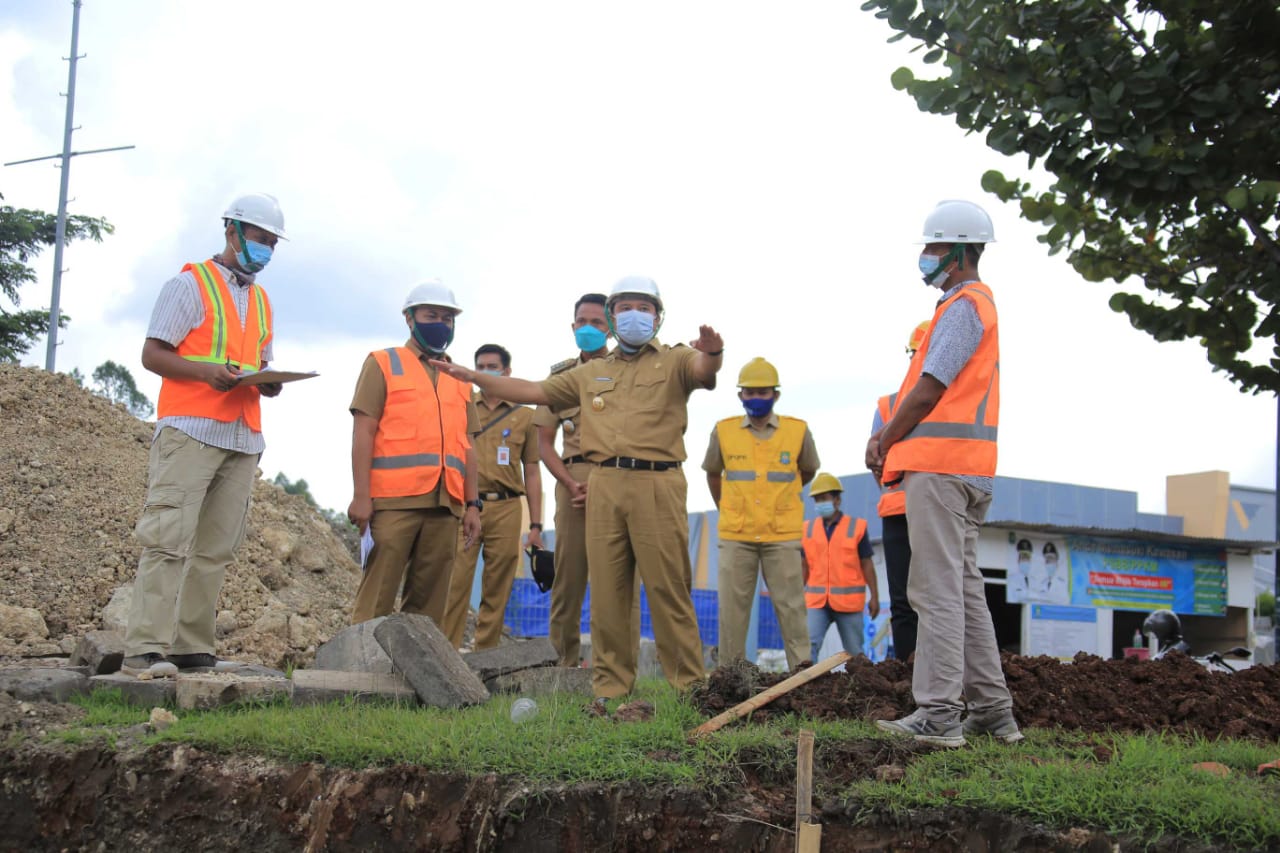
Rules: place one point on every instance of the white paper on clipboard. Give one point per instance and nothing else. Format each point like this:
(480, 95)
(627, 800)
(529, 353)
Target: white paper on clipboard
(262, 377)
(366, 545)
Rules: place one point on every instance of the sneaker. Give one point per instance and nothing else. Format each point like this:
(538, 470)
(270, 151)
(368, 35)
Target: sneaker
(203, 660)
(924, 730)
(999, 724)
(149, 665)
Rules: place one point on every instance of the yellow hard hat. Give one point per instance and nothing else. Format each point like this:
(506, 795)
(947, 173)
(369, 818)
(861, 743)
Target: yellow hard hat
(824, 483)
(758, 373)
(917, 337)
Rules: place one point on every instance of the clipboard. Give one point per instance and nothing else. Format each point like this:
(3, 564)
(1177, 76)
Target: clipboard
(262, 377)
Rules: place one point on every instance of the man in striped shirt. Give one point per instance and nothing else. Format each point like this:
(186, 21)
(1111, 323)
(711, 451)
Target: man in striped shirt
(210, 326)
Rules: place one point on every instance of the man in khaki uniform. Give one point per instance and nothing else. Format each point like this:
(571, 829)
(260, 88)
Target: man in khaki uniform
(507, 455)
(413, 511)
(635, 411)
(756, 466)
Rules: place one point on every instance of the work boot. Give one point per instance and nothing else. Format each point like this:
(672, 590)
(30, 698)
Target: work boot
(999, 724)
(203, 660)
(917, 726)
(149, 665)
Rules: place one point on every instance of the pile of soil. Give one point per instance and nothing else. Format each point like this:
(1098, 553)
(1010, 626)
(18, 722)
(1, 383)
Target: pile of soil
(73, 480)
(1174, 694)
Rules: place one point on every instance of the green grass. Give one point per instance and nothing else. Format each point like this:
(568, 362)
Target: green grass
(1146, 789)
(1139, 786)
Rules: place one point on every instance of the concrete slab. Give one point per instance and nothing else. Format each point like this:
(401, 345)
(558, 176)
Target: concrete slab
(151, 693)
(314, 686)
(101, 651)
(354, 649)
(512, 657)
(38, 684)
(543, 680)
(202, 692)
(428, 661)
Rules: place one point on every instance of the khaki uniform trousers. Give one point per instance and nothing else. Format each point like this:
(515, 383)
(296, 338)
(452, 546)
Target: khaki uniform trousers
(570, 584)
(957, 659)
(740, 564)
(410, 546)
(500, 524)
(637, 522)
(192, 525)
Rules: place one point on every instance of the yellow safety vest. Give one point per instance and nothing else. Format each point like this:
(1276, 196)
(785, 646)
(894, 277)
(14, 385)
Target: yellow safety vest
(760, 491)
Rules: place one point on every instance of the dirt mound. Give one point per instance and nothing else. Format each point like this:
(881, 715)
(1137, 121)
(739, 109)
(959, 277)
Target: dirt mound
(73, 479)
(1091, 694)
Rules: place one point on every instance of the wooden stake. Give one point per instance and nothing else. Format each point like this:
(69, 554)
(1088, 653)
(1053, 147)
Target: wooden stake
(765, 697)
(804, 781)
(809, 838)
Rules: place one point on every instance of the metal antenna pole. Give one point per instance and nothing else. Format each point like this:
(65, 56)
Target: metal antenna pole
(55, 312)
(60, 239)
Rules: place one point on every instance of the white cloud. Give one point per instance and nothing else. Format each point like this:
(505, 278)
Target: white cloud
(754, 161)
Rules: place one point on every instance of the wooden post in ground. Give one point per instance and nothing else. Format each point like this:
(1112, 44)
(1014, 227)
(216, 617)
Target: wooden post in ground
(767, 696)
(808, 834)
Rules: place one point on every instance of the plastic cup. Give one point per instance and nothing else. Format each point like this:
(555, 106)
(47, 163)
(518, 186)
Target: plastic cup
(523, 709)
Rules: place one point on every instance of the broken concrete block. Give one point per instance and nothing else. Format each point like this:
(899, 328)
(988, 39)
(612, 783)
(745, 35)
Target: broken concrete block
(428, 661)
(115, 616)
(512, 657)
(201, 692)
(144, 694)
(314, 686)
(354, 649)
(101, 651)
(43, 684)
(543, 680)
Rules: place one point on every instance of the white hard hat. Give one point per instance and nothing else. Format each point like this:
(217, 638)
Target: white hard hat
(956, 221)
(258, 209)
(432, 292)
(637, 285)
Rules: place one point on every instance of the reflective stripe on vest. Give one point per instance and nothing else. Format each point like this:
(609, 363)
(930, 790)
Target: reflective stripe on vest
(422, 423)
(959, 435)
(220, 339)
(760, 487)
(893, 499)
(835, 569)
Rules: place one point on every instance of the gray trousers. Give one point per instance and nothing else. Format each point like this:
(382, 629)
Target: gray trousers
(957, 660)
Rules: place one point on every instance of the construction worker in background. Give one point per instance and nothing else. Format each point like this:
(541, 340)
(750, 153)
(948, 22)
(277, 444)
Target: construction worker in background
(210, 325)
(507, 454)
(942, 440)
(591, 334)
(635, 408)
(839, 575)
(412, 464)
(892, 510)
(756, 465)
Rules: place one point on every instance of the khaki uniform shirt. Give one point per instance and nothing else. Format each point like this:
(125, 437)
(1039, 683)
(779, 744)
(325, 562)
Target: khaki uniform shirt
(637, 407)
(516, 433)
(569, 419)
(370, 398)
(806, 461)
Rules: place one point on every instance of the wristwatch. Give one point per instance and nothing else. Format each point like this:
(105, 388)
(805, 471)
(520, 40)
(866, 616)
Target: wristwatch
(537, 525)
(477, 503)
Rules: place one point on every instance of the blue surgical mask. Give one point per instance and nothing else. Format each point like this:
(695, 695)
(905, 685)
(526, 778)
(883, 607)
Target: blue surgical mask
(492, 372)
(433, 337)
(635, 329)
(826, 509)
(930, 268)
(758, 407)
(589, 338)
(251, 257)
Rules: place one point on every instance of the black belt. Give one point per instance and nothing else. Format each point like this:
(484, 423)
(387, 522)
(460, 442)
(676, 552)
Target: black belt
(499, 496)
(575, 459)
(637, 464)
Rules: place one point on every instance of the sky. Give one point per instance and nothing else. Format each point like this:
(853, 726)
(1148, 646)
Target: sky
(750, 157)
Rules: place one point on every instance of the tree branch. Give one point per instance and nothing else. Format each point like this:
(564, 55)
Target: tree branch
(1263, 237)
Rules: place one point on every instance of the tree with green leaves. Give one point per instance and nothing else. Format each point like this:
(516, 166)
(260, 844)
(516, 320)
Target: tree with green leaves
(115, 382)
(1159, 122)
(23, 234)
(295, 487)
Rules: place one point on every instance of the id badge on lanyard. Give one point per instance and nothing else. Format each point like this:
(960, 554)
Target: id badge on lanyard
(504, 452)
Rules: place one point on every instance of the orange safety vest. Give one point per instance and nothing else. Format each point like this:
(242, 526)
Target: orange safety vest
(422, 431)
(220, 340)
(959, 435)
(893, 499)
(760, 489)
(835, 570)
